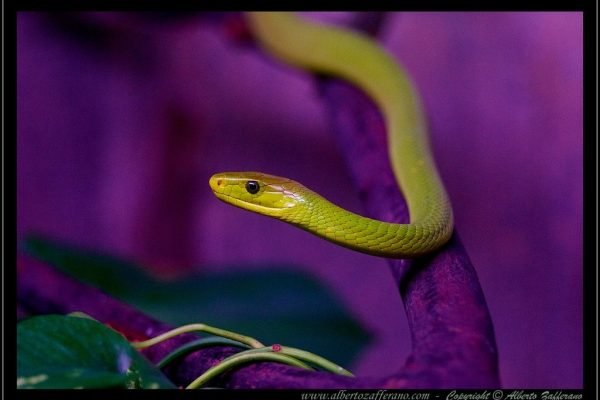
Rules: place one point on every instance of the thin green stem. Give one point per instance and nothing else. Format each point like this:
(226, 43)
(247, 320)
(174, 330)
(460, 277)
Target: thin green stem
(303, 355)
(198, 328)
(314, 359)
(198, 344)
(243, 358)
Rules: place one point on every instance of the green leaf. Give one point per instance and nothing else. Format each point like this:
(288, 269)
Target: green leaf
(275, 304)
(68, 352)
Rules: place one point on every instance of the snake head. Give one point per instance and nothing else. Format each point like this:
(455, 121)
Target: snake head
(254, 191)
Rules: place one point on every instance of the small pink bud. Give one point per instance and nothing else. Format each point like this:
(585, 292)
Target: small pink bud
(276, 347)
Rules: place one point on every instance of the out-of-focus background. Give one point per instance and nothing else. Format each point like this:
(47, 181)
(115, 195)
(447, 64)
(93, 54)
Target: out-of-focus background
(122, 118)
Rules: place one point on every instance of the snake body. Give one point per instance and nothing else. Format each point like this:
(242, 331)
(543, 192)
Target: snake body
(358, 59)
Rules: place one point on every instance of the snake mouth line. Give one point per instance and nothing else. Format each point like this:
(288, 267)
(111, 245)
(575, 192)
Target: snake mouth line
(243, 204)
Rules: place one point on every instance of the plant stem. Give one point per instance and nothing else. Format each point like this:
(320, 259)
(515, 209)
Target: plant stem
(198, 344)
(243, 358)
(304, 356)
(198, 328)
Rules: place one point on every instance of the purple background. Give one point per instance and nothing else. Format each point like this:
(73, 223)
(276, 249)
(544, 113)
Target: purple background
(121, 124)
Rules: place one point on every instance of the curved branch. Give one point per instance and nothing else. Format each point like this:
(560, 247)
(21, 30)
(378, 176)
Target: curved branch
(453, 341)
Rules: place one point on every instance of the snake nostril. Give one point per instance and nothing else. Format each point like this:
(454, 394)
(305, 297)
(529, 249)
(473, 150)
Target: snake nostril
(219, 181)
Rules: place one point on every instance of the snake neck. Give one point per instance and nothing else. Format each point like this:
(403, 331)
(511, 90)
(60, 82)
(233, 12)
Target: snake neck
(320, 217)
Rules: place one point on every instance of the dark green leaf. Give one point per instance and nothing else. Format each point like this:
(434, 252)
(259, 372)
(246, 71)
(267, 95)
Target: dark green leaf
(67, 352)
(275, 304)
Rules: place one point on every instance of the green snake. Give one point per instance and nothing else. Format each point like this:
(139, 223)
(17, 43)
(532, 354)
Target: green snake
(358, 59)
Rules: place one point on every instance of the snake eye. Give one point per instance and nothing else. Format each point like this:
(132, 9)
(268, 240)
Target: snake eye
(252, 187)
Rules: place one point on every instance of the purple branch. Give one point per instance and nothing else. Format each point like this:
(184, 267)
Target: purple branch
(453, 342)
(452, 333)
